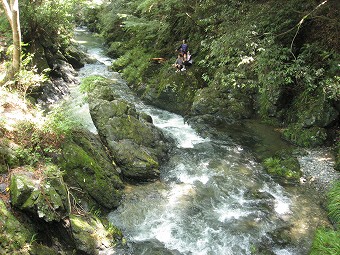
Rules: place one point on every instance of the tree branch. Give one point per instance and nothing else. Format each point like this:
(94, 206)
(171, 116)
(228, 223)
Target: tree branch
(8, 11)
(300, 23)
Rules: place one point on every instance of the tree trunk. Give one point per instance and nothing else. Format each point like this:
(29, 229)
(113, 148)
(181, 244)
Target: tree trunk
(12, 13)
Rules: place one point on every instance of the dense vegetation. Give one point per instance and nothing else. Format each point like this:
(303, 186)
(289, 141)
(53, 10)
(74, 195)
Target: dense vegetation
(278, 61)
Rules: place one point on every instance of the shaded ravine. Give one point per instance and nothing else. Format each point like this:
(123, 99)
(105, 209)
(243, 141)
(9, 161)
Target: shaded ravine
(213, 197)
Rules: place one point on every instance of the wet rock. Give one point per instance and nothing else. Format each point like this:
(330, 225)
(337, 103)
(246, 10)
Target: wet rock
(44, 195)
(137, 161)
(88, 166)
(75, 56)
(319, 113)
(136, 144)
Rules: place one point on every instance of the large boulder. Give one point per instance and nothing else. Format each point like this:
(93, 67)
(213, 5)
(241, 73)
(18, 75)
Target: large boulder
(317, 112)
(135, 143)
(88, 166)
(42, 193)
(223, 103)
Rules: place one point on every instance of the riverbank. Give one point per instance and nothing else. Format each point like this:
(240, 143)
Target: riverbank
(318, 170)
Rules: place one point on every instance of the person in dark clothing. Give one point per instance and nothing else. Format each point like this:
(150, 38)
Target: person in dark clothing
(183, 49)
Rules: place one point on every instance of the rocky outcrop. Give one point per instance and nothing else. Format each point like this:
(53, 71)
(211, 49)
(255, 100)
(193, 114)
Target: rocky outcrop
(222, 103)
(61, 63)
(42, 194)
(88, 167)
(136, 144)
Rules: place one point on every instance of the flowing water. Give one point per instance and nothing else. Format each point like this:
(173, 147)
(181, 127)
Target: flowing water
(212, 198)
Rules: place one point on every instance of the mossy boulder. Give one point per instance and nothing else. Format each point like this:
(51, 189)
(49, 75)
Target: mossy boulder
(42, 194)
(13, 235)
(223, 103)
(91, 236)
(88, 166)
(305, 137)
(317, 112)
(137, 161)
(135, 143)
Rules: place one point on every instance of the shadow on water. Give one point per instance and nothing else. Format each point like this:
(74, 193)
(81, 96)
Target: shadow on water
(261, 139)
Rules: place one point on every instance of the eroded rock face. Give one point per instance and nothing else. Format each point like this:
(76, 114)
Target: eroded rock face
(43, 194)
(136, 144)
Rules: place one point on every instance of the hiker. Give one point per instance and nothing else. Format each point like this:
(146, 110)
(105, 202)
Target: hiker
(179, 63)
(188, 61)
(183, 48)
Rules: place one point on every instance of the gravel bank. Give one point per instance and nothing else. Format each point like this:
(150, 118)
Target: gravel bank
(317, 166)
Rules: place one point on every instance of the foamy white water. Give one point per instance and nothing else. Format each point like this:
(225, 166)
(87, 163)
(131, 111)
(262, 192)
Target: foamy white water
(213, 198)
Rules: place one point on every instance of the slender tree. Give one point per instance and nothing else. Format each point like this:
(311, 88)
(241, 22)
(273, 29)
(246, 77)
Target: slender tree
(11, 8)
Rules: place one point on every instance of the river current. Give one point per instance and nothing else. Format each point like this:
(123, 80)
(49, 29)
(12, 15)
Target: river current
(213, 197)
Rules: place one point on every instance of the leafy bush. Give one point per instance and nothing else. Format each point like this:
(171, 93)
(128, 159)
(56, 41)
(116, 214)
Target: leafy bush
(56, 15)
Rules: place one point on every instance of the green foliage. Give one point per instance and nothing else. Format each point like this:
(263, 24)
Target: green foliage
(135, 65)
(43, 142)
(283, 167)
(34, 143)
(47, 19)
(115, 232)
(326, 242)
(281, 61)
(89, 83)
(334, 204)
(5, 28)
(28, 77)
(61, 121)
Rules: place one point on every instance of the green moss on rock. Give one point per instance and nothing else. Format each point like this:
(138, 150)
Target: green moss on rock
(44, 196)
(305, 137)
(14, 237)
(87, 165)
(90, 235)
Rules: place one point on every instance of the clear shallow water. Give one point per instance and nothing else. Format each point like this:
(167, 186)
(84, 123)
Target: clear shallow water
(213, 197)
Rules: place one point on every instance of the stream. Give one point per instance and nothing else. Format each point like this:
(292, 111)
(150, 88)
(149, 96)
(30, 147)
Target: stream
(213, 197)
